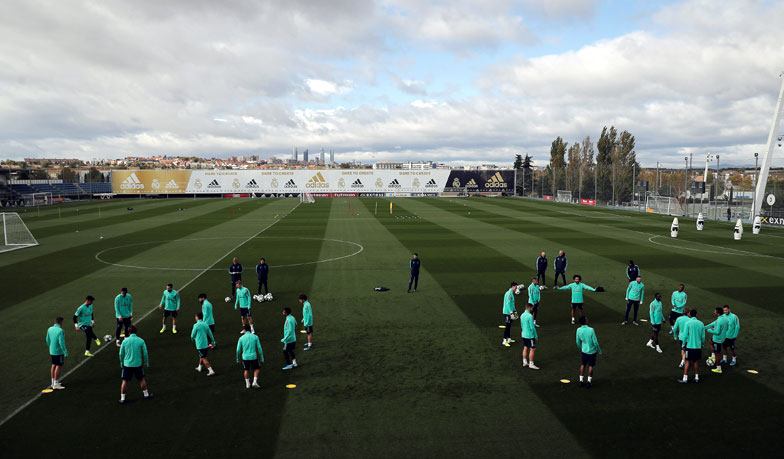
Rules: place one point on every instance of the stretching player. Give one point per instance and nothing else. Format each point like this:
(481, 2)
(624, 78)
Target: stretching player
(733, 328)
(170, 303)
(534, 295)
(678, 301)
(719, 330)
(249, 350)
(123, 310)
(244, 303)
(201, 335)
(529, 337)
(83, 320)
(509, 308)
(577, 288)
(634, 294)
(695, 338)
(679, 333)
(657, 319)
(55, 339)
(589, 347)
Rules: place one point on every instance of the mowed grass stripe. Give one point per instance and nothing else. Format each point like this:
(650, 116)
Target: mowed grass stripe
(81, 210)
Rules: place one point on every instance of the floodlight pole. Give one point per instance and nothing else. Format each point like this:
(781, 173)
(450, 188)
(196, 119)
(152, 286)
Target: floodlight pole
(759, 193)
(754, 195)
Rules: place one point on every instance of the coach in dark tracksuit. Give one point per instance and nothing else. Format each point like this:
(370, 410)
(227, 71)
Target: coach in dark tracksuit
(236, 274)
(414, 265)
(560, 267)
(632, 271)
(541, 268)
(262, 271)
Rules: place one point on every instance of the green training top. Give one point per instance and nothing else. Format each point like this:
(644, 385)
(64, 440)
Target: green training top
(527, 324)
(84, 315)
(133, 352)
(577, 290)
(635, 291)
(55, 339)
(202, 335)
(586, 340)
(243, 298)
(509, 306)
(679, 329)
(171, 300)
(249, 347)
(206, 311)
(678, 301)
(733, 325)
(534, 295)
(289, 329)
(718, 328)
(123, 306)
(307, 314)
(695, 333)
(656, 312)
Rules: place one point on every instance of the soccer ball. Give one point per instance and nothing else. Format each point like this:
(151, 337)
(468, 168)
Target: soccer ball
(268, 297)
(518, 289)
(227, 299)
(710, 362)
(542, 287)
(107, 338)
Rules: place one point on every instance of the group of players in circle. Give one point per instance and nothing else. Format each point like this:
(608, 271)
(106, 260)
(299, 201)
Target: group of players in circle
(133, 353)
(685, 327)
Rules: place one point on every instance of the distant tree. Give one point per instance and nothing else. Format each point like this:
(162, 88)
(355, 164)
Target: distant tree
(604, 161)
(574, 156)
(94, 175)
(625, 161)
(557, 163)
(68, 175)
(587, 167)
(39, 174)
(528, 176)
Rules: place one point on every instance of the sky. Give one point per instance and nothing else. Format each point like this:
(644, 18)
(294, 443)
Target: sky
(455, 81)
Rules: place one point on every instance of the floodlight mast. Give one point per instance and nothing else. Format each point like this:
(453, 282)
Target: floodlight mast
(762, 180)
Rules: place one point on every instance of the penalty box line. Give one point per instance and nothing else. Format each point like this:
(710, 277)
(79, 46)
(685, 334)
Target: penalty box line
(79, 365)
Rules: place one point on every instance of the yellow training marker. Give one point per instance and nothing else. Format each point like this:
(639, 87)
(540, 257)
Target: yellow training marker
(46, 391)
(754, 372)
(643, 320)
(302, 331)
(565, 381)
(290, 386)
(502, 326)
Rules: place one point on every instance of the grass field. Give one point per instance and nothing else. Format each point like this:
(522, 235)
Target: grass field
(391, 374)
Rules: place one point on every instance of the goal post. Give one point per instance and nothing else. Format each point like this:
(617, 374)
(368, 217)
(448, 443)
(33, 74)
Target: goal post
(15, 233)
(37, 199)
(663, 205)
(306, 198)
(563, 196)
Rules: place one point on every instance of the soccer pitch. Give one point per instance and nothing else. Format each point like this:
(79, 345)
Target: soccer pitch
(391, 374)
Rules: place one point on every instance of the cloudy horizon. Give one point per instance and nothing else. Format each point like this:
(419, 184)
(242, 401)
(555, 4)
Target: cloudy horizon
(401, 80)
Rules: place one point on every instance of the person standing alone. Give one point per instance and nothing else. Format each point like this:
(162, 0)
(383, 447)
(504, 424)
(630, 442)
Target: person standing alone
(561, 263)
(55, 339)
(541, 268)
(262, 271)
(414, 265)
(235, 271)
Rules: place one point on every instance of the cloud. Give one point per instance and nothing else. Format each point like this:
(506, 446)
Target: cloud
(327, 88)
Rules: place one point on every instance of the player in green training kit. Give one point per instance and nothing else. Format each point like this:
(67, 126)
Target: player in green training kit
(289, 339)
(529, 337)
(201, 335)
(679, 333)
(133, 354)
(244, 303)
(509, 308)
(577, 288)
(657, 319)
(589, 347)
(307, 320)
(249, 350)
(83, 320)
(719, 330)
(170, 303)
(55, 339)
(695, 338)
(534, 295)
(123, 311)
(678, 301)
(733, 328)
(634, 294)
(206, 310)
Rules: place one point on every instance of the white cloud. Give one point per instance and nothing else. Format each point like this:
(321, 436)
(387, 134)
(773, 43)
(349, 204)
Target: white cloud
(327, 88)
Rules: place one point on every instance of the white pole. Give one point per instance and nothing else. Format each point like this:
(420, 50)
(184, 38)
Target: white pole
(759, 193)
(5, 233)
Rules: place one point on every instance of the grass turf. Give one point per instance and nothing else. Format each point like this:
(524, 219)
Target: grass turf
(392, 374)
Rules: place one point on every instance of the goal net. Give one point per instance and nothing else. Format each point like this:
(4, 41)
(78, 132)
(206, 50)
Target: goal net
(37, 199)
(563, 196)
(663, 205)
(15, 233)
(306, 198)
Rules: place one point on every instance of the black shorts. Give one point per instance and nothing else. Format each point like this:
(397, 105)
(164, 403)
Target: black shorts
(577, 306)
(58, 360)
(674, 315)
(128, 373)
(588, 359)
(729, 343)
(716, 347)
(212, 328)
(507, 320)
(167, 313)
(245, 312)
(309, 329)
(656, 328)
(529, 343)
(693, 355)
(202, 352)
(124, 321)
(249, 365)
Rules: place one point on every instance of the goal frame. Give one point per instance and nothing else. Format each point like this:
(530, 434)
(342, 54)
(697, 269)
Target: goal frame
(560, 196)
(6, 247)
(307, 198)
(37, 199)
(673, 207)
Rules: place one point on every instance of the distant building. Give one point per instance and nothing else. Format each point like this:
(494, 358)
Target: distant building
(304, 156)
(383, 165)
(331, 157)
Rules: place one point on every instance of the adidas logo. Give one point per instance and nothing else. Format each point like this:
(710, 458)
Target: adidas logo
(252, 184)
(132, 182)
(496, 181)
(172, 185)
(394, 184)
(471, 183)
(317, 181)
(290, 184)
(431, 183)
(214, 184)
(357, 184)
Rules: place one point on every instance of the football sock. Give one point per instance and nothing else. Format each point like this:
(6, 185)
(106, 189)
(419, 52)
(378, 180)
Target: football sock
(581, 379)
(734, 358)
(525, 362)
(122, 396)
(146, 393)
(199, 367)
(174, 327)
(294, 362)
(255, 380)
(696, 377)
(682, 362)
(247, 382)
(686, 378)
(590, 378)
(212, 372)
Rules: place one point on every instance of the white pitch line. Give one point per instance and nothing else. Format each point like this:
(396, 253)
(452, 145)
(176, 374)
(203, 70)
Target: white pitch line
(30, 402)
